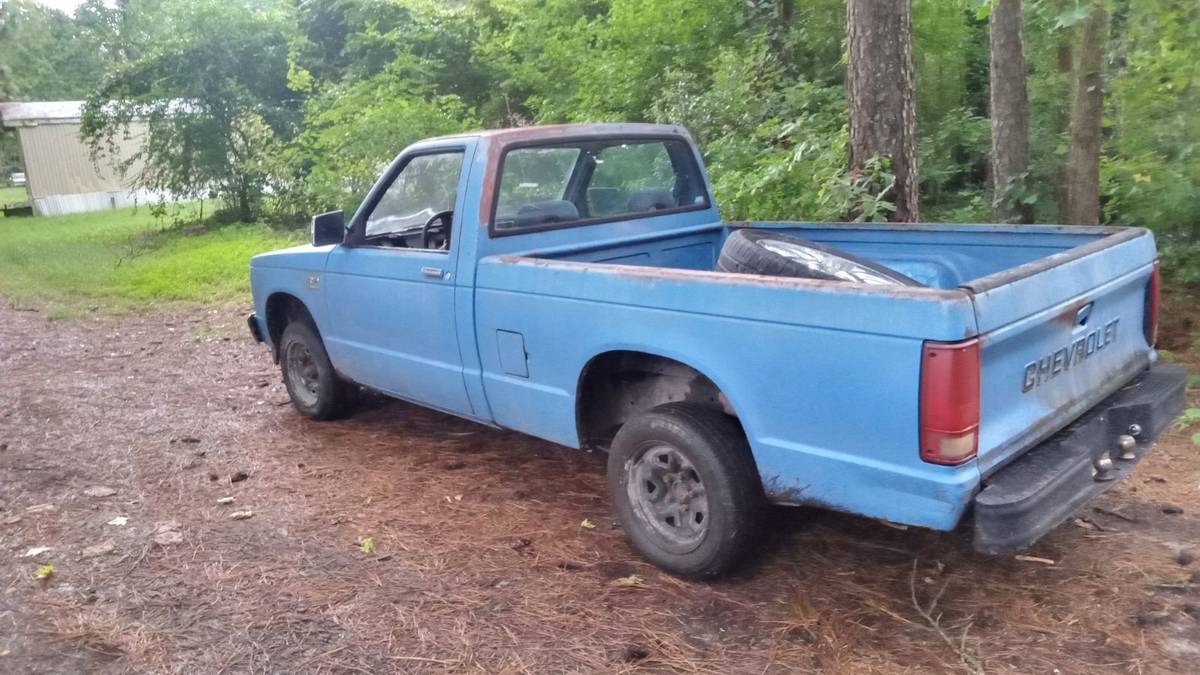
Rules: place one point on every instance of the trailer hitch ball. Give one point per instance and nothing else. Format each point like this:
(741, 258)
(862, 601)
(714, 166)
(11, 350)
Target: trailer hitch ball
(1102, 468)
(1127, 443)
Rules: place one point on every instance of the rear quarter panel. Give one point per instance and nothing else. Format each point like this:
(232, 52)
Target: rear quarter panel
(822, 376)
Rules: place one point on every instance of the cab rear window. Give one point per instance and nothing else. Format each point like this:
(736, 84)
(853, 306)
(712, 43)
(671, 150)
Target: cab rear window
(595, 181)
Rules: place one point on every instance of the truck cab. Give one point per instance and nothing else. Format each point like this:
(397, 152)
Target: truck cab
(578, 284)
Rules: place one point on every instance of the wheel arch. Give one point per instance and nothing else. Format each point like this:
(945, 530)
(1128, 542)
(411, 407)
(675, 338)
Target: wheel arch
(616, 384)
(282, 308)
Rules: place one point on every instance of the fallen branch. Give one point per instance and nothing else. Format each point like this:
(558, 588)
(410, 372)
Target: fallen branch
(969, 661)
(1115, 514)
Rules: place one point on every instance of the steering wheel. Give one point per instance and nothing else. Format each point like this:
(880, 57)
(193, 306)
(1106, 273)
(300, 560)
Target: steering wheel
(428, 230)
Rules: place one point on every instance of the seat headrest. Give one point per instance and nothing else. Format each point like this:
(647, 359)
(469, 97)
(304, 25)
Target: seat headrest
(650, 200)
(545, 213)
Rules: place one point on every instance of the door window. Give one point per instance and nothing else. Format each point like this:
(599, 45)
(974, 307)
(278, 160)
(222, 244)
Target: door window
(424, 188)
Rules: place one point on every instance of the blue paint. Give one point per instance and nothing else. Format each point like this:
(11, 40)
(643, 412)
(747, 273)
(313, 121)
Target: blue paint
(823, 376)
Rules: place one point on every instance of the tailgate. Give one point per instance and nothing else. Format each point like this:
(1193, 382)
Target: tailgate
(1058, 335)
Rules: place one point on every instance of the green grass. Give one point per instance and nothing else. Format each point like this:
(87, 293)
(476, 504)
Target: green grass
(12, 195)
(120, 259)
(211, 266)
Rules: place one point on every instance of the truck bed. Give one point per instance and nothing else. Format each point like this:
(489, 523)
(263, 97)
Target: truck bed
(1027, 293)
(939, 256)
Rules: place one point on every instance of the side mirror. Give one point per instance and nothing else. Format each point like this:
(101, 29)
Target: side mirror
(328, 228)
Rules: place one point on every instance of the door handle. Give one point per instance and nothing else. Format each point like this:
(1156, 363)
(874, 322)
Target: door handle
(433, 272)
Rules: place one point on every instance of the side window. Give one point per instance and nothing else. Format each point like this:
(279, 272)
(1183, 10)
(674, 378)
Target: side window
(569, 183)
(426, 186)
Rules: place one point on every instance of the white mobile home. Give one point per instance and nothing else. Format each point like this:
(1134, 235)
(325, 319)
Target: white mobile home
(61, 176)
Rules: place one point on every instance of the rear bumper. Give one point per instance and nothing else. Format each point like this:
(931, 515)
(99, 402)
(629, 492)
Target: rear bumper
(1047, 484)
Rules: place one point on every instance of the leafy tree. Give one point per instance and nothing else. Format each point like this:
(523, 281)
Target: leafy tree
(354, 129)
(950, 55)
(47, 56)
(282, 106)
(1150, 170)
(205, 84)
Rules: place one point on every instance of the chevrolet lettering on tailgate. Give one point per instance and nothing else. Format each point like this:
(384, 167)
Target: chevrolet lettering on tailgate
(1051, 365)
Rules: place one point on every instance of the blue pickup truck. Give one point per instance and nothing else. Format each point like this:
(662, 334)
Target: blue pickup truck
(577, 283)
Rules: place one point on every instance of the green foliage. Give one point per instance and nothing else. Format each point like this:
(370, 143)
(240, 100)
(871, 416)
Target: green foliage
(1180, 258)
(1152, 161)
(953, 160)
(47, 55)
(1189, 418)
(296, 106)
(10, 156)
(781, 152)
(207, 86)
(354, 129)
(950, 54)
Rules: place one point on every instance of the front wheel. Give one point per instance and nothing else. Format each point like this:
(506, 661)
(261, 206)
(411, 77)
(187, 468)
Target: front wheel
(312, 383)
(686, 489)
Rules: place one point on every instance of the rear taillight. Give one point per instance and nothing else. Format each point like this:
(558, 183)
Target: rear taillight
(949, 401)
(1153, 302)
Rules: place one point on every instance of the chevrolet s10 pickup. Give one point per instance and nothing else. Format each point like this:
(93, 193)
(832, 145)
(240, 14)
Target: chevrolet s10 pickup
(577, 283)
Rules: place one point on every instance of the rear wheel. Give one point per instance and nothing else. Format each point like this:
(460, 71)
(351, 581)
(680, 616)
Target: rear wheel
(685, 489)
(312, 383)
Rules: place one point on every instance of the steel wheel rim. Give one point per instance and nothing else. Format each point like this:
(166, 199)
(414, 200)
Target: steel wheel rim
(304, 379)
(668, 496)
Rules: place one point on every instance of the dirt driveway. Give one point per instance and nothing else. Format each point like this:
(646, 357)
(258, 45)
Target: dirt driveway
(488, 550)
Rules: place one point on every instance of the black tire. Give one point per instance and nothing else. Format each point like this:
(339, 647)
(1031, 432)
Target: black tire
(313, 385)
(749, 251)
(718, 457)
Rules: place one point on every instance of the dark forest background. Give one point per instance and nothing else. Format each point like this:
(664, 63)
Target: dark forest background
(293, 106)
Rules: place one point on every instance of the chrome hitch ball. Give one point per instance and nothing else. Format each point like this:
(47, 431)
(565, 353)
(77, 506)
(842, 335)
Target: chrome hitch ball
(1127, 444)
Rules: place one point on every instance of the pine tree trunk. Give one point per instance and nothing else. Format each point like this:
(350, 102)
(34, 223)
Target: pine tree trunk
(1010, 113)
(1083, 168)
(883, 109)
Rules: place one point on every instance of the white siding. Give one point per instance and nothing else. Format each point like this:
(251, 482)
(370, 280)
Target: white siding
(57, 161)
(54, 205)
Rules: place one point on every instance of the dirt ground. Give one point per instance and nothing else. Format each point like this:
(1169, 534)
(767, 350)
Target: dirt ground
(481, 559)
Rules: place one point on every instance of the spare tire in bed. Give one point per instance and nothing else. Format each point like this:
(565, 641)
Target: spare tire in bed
(748, 251)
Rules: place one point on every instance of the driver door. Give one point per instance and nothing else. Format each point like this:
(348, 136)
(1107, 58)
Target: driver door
(390, 290)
